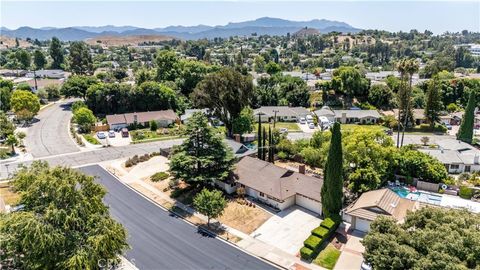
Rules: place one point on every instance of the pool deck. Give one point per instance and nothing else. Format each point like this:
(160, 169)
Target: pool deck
(447, 201)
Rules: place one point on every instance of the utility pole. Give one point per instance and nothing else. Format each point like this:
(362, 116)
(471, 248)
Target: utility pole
(35, 78)
(275, 117)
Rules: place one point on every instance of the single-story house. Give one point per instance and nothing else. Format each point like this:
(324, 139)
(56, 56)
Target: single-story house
(375, 203)
(163, 118)
(457, 156)
(352, 116)
(47, 73)
(418, 115)
(283, 113)
(278, 187)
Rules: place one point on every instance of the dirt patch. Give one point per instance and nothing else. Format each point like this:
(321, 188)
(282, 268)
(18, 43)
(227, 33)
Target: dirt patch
(8, 196)
(243, 217)
(126, 40)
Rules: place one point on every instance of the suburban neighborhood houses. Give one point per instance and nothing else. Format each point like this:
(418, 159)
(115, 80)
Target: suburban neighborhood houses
(189, 142)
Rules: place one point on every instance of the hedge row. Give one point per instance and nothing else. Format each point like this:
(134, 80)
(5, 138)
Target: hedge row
(318, 237)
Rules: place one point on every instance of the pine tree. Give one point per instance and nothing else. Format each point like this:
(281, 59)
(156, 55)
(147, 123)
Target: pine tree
(465, 132)
(259, 137)
(332, 189)
(433, 103)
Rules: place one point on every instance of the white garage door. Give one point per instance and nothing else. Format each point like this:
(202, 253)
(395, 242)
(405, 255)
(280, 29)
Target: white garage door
(308, 204)
(362, 224)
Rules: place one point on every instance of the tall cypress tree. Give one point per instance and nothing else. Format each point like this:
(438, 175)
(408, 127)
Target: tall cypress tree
(264, 143)
(465, 132)
(259, 137)
(332, 189)
(270, 145)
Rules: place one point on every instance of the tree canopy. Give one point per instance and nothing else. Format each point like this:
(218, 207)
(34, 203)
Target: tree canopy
(465, 133)
(210, 203)
(430, 238)
(332, 188)
(56, 52)
(63, 224)
(25, 104)
(225, 92)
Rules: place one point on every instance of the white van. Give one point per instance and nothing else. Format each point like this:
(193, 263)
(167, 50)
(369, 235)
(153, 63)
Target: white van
(309, 118)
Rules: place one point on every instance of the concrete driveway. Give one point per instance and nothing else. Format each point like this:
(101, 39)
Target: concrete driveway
(306, 129)
(288, 229)
(48, 134)
(351, 257)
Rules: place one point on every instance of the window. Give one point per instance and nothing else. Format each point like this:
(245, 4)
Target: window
(454, 166)
(242, 185)
(261, 194)
(467, 168)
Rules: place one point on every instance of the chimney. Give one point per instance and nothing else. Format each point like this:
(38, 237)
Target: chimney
(301, 169)
(476, 159)
(344, 118)
(237, 137)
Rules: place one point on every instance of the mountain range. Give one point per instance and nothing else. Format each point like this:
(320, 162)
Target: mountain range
(261, 26)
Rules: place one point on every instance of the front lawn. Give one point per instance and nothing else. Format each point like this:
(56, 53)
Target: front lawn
(91, 139)
(327, 257)
(355, 127)
(291, 126)
(141, 135)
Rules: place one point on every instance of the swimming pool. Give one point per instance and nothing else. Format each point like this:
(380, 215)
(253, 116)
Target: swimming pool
(420, 196)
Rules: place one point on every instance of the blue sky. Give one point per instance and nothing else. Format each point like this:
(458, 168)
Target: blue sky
(387, 15)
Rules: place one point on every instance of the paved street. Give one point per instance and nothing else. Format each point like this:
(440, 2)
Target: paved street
(95, 156)
(162, 241)
(48, 135)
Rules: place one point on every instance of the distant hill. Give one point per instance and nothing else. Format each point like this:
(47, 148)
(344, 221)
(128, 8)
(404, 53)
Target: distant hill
(125, 40)
(306, 32)
(261, 26)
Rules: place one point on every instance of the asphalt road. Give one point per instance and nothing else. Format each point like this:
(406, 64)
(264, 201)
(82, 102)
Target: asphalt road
(93, 156)
(159, 240)
(48, 134)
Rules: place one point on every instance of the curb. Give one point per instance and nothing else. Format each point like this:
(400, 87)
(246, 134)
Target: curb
(199, 228)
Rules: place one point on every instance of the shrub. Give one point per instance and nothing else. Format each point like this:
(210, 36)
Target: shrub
(306, 253)
(282, 155)
(159, 176)
(153, 125)
(91, 139)
(329, 224)
(313, 242)
(464, 176)
(321, 232)
(466, 192)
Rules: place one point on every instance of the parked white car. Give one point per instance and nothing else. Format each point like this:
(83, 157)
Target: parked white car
(309, 119)
(302, 120)
(311, 125)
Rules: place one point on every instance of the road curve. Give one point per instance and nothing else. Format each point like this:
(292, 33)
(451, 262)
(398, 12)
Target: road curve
(49, 135)
(159, 240)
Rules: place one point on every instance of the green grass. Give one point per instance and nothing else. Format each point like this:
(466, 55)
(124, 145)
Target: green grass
(355, 127)
(291, 126)
(143, 135)
(164, 138)
(328, 257)
(91, 139)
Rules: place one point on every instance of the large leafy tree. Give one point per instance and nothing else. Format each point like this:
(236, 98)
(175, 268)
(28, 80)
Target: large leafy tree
(465, 133)
(77, 86)
(332, 189)
(430, 238)
(25, 104)
(56, 52)
(150, 96)
(24, 59)
(39, 59)
(6, 126)
(433, 102)
(63, 224)
(210, 203)
(226, 93)
(244, 122)
(79, 58)
(167, 65)
(84, 118)
(413, 163)
(381, 96)
(203, 157)
(350, 81)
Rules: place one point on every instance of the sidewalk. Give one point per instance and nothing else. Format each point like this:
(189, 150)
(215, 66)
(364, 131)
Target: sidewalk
(247, 242)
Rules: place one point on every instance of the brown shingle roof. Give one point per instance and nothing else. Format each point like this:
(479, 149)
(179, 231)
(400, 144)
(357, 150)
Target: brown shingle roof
(380, 202)
(275, 181)
(142, 117)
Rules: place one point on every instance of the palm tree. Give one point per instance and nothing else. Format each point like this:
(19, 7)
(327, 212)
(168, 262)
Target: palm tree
(406, 68)
(410, 68)
(11, 141)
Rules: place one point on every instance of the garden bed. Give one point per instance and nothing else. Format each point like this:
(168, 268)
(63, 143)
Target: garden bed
(328, 257)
